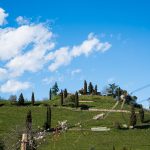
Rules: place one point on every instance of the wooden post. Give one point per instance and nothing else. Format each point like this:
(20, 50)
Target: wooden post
(24, 141)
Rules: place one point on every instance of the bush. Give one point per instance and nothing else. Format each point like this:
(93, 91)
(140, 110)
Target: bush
(84, 107)
(70, 100)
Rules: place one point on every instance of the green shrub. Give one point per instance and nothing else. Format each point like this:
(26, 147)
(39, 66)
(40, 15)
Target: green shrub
(70, 100)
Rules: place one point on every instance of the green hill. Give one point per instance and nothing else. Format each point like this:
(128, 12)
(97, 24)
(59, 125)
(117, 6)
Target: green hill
(12, 120)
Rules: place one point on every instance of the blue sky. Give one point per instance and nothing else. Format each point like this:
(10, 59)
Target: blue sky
(121, 27)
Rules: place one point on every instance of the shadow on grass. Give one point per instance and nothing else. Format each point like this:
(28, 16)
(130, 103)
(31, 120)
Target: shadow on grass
(147, 121)
(143, 126)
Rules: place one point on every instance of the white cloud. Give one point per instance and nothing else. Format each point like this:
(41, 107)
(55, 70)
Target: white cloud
(3, 73)
(27, 48)
(60, 57)
(76, 71)
(13, 86)
(63, 56)
(53, 79)
(22, 20)
(3, 16)
(14, 41)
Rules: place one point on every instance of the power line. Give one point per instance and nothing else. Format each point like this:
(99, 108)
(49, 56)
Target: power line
(141, 88)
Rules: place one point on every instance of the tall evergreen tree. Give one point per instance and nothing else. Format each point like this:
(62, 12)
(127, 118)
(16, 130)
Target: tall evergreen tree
(32, 98)
(21, 100)
(141, 113)
(29, 122)
(90, 88)
(95, 89)
(76, 99)
(65, 93)
(50, 94)
(133, 118)
(85, 87)
(55, 89)
(47, 124)
(61, 98)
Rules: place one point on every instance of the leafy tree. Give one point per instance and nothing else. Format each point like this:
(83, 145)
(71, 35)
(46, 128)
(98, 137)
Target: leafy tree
(61, 98)
(47, 124)
(55, 89)
(21, 100)
(50, 94)
(112, 89)
(65, 93)
(141, 113)
(32, 98)
(133, 118)
(13, 99)
(85, 87)
(76, 100)
(29, 121)
(81, 91)
(90, 88)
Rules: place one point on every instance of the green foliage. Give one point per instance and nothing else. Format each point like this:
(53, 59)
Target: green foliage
(141, 113)
(47, 124)
(112, 89)
(21, 100)
(90, 88)
(95, 90)
(29, 121)
(65, 93)
(70, 100)
(85, 87)
(32, 98)
(76, 100)
(50, 94)
(133, 118)
(55, 89)
(13, 99)
(61, 98)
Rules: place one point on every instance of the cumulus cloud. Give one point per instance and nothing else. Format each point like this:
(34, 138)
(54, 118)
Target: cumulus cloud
(25, 48)
(12, 86)
(30, 47)
(63, 56)
(3, 16)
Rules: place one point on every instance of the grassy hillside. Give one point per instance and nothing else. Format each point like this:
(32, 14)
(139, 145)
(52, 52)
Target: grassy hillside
(13, 117)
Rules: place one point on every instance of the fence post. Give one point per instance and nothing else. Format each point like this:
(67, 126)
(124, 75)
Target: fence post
(24, 141)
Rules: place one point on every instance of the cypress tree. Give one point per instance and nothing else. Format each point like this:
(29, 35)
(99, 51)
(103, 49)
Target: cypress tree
(65, 93)
(32, 98)
(95, 89)
(61, 98)
(133, 118)
(90, 88)
(76, 100)
(21, 100)
(141, 113)
(29, 122)
(85, 87)
(47, 124)
(50, 94)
